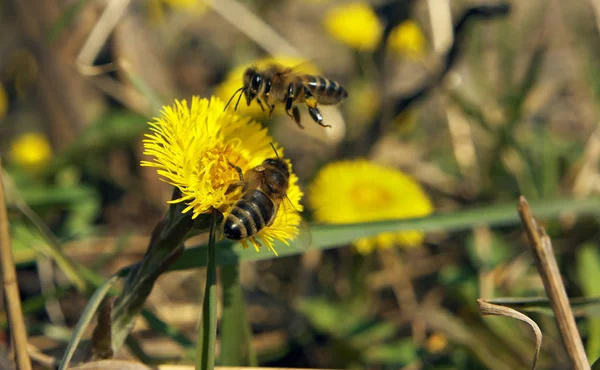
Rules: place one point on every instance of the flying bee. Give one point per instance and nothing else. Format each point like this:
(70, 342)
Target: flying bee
(277, 84)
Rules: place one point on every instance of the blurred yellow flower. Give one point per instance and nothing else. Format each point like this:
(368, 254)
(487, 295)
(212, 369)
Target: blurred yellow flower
(30, 151)
(234, 81)
(194, 148)
(408, 39)
(155, 7)
(354, 24)
(436, 343)
(361, 191)
(3, 102)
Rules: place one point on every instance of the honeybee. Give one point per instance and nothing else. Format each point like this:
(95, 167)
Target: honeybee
(279, 84)
(265, 188)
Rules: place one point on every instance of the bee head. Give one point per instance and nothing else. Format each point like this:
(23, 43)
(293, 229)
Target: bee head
(277, 175)
(252, 83)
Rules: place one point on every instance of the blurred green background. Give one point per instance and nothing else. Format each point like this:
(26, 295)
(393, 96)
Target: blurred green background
(478, 102)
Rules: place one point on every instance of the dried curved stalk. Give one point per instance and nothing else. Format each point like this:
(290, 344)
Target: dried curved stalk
(487, 308)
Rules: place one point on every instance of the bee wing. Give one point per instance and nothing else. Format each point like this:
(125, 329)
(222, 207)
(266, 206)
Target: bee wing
(304, 238)
(306, 67)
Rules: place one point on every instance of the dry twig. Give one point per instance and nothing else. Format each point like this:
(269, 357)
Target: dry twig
(553, 284)
(11, 289)
(487, 308)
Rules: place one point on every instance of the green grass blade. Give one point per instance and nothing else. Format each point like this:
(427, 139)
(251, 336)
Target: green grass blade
(330, 236)
(233, 325)
(85, 319)
(170, 331)
(205, 354)
(588, 268)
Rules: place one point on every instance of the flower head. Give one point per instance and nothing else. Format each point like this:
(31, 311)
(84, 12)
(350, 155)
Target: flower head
(361, 191)
(354, 24)
(234, 80)
(195, 148)
(31, 151)
(408, 39)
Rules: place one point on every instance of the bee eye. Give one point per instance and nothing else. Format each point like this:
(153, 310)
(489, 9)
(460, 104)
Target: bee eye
(256, 80)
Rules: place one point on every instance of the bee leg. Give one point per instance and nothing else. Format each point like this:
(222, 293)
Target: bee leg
(311, 103)
(296, 116)
(316, 115)
(262, 107)
(237, 184)
(291, 94)
(271, 109)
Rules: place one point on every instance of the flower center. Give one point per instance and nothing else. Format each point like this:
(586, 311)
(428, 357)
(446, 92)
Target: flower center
(220, 163)
(369, 196)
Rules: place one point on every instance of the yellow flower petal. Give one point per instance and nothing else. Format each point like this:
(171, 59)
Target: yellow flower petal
(361, 191)
(31, 151)
(354, 24)
(233, 81)
(408, 39)
(194, 148)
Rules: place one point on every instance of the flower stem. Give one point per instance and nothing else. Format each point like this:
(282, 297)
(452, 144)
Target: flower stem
(205, 353)
(236, 333)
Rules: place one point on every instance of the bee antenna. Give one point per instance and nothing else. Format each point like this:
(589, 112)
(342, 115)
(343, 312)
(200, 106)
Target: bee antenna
(275, 150)
(238, 101)
(233, 96)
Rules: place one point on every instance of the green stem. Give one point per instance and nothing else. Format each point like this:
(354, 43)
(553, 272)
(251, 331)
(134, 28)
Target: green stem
(205, 354)
(252, 356)
(236, 334)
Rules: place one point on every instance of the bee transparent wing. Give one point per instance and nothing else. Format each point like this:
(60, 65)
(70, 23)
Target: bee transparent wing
(304, 238)
(306, 67)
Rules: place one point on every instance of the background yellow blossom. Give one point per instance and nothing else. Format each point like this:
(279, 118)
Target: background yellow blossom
(357, 25)
(408, 39)
(354, 24)
(31, 151)
(362, 191)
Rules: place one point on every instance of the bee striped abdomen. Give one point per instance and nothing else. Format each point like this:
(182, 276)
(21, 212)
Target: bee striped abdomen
(326, 91)
(248, 216)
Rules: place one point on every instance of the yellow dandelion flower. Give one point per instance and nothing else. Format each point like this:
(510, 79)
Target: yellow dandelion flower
(194, 147)
(233, 81)
(360, 191)
(408, 39)
(354, 24)
(30, 151)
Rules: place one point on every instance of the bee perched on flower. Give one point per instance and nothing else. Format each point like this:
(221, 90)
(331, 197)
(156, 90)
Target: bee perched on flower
(204, 150)
(361, 191)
